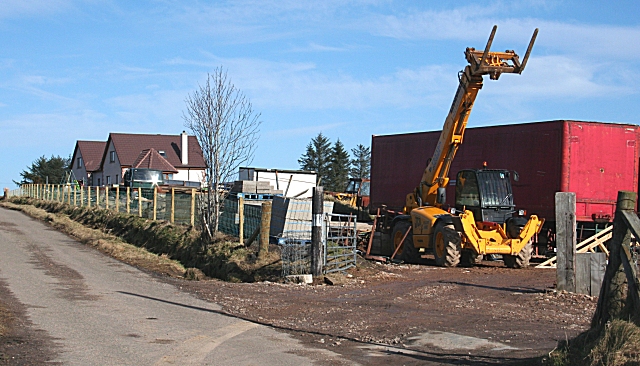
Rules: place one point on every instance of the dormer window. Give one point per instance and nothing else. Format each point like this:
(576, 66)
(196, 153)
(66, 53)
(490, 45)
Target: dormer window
(79, 163)
(112, 157)
(162, 153)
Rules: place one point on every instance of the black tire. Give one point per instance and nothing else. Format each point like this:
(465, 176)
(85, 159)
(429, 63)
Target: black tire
(521, 260)
(446, 244)
(469, 258)
(409, 254)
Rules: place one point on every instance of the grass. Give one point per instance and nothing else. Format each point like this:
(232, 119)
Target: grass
(175, 250)
(618, 344)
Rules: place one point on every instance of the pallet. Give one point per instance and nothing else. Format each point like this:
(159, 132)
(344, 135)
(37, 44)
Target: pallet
(258, 196)
(587, 245)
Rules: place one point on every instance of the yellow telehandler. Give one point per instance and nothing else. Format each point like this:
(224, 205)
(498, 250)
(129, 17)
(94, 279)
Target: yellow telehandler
(483, 220)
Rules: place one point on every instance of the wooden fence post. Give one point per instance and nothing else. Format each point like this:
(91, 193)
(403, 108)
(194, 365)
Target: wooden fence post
(75, 200)
(566, 241)
(128, 200)
(118, 198)
(241, 219)
(611, 302)
(139, 202)
(265, 226)
(88, 196)
(316, 231)
(81, 196)
(106, 197)
(173, 205)
(155, 202)
(97, 197)
(193, 206)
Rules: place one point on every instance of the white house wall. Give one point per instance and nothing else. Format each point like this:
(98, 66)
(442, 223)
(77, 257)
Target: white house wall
(79, 174)
(110, 169)
(190, 175)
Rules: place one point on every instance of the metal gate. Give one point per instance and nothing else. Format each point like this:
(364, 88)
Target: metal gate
(339, 244)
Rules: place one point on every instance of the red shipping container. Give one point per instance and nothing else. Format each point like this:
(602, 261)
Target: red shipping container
(593, 159)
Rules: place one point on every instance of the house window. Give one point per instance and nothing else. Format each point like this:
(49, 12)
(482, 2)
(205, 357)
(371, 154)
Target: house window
(108, 180)
(112, 156)
(79, 163)
(162, 153)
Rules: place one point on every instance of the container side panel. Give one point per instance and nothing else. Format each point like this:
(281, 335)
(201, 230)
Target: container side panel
(603, 161)
(397, 163)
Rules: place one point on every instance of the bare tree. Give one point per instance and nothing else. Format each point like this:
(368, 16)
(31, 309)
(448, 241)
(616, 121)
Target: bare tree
(226, 126)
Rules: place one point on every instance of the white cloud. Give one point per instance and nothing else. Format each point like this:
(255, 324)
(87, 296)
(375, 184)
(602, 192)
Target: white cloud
(300, 131)
(474, 24)
(18, 8)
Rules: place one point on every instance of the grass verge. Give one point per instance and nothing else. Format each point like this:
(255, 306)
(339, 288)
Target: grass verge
(617, 344)
(175, 250)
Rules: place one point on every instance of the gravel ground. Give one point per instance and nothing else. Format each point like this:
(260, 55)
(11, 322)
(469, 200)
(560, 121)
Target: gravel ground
(482, 315)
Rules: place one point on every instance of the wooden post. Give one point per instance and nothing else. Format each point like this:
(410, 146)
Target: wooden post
(193, 206)
(173, 205)
(611, 301)
(75, 200)
(118, 198)
(106, 197)
(265, 226)
(139, 202)
(81, 196)
(97, 197)
(128, 201)
(241, 219)
(155, 202)
(88, 196)
(316, 231)
(566, 241)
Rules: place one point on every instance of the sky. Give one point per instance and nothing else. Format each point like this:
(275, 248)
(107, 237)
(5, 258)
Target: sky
(78, 70)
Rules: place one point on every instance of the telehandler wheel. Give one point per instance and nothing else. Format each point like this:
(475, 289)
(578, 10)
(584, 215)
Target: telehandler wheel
(469, 258)
(521, 260)
(446, 245)
(410, 254)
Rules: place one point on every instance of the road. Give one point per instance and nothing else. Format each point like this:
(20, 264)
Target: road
(100, 311)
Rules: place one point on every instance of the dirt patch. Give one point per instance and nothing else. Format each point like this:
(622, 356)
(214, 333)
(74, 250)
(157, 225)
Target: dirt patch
(476, 314)
(20, 342)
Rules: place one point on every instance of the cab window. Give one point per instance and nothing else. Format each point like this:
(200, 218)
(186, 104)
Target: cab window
(467, 193)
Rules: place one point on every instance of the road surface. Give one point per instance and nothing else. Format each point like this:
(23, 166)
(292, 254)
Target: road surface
(100, 311)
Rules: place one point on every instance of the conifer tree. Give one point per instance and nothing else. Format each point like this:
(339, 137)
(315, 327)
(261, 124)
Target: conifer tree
(318, 157)
(339, 168)
(361, 162)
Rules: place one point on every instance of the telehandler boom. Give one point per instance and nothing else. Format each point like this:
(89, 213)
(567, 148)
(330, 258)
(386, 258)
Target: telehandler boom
(457, 235)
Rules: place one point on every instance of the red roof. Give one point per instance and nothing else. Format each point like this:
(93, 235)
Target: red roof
(151, 159)
(91, 152)
(129, 146)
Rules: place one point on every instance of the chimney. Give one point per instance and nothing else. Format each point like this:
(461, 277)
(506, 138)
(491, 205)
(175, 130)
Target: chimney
(184, 148)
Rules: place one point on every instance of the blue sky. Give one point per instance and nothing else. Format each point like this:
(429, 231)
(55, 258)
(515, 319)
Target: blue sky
(77, 70)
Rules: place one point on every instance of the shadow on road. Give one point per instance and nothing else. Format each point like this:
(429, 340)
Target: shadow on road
(525, 290)
(416, 355)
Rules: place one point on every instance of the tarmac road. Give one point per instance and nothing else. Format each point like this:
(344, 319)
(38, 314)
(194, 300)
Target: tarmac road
(102, 312)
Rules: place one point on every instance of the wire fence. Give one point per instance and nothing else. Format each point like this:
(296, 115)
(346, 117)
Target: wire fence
(339, 238)
(290, 222)
(175, 205)
(340, 241)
